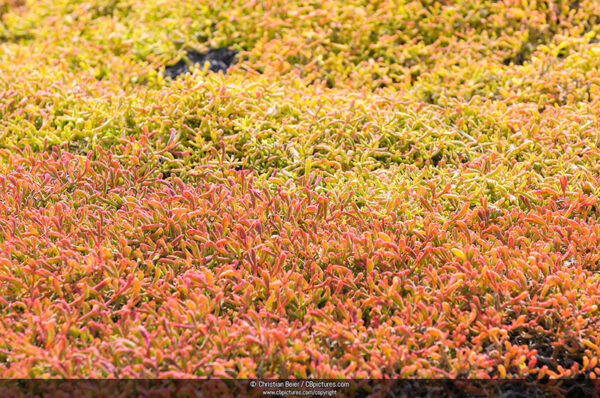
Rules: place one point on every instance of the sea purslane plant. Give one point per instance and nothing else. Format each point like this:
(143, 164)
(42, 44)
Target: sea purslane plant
(374, 189)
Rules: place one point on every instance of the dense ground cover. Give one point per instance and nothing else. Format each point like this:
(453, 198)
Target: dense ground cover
(374, 189)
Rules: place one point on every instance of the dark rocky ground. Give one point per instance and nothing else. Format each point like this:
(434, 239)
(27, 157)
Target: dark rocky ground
(219, 60)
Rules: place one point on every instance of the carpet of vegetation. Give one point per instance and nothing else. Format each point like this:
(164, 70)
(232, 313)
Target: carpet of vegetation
(384, 188)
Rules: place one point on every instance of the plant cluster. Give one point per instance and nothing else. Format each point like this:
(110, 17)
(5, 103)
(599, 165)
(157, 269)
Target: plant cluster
(375, 189)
